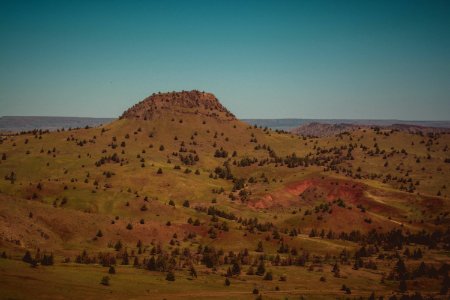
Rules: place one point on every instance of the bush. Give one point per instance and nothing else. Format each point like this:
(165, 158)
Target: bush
(105, 280)
(261, 269)
(47, 260)
(27, 257)
(268, 276)
(170, 276)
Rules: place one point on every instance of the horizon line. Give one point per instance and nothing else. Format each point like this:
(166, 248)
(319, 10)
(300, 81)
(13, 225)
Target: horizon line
(282, 118)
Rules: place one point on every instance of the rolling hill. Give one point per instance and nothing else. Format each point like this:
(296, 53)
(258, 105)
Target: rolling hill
(179, 189)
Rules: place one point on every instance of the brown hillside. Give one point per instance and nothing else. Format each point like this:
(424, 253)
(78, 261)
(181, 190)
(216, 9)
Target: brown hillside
(193, 102)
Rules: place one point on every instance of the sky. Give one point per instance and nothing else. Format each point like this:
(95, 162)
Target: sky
(262, 59)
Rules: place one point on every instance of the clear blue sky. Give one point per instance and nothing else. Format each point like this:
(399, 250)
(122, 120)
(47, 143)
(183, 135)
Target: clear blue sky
(262, 59)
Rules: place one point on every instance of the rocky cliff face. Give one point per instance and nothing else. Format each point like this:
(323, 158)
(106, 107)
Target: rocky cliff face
(185, 102)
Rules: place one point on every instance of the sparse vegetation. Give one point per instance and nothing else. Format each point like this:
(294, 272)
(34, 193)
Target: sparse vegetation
(241, 208)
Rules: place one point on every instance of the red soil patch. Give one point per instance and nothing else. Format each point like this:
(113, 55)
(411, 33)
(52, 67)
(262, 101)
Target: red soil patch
(300, 187)
(310, 192)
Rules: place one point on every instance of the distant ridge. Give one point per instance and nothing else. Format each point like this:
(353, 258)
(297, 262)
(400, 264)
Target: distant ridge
(291, 123)
(26, 123)
(323, 129)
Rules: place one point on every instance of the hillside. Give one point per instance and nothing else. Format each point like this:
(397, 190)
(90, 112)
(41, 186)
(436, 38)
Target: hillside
(178, 184)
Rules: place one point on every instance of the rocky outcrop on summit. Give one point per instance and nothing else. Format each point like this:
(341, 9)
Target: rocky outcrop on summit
(185, 102)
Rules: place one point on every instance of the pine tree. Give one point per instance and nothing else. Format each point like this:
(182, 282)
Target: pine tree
(235, 269)
(136, 262)
(400, 268)
(47, 260)
(261, 268)
(336, 270)
(260, 248)
(151, 265)
(229, 273)
(125, 260)
(170, 276)
(193, 272)
(27, 257)
(118, 246)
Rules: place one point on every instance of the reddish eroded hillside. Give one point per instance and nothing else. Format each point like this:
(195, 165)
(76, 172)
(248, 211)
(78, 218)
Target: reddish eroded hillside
(340, 204)
(310, 190)
(194, 102)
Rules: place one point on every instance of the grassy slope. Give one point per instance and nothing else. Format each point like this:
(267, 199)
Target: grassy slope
(70, 172)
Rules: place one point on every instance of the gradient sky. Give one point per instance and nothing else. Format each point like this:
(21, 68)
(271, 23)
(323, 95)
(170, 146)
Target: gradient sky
(262, 59)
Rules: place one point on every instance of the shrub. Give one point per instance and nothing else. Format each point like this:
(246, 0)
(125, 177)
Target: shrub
(170, 276)
(105, 280)
(27, 257)
(261, 269)
(268, 276)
